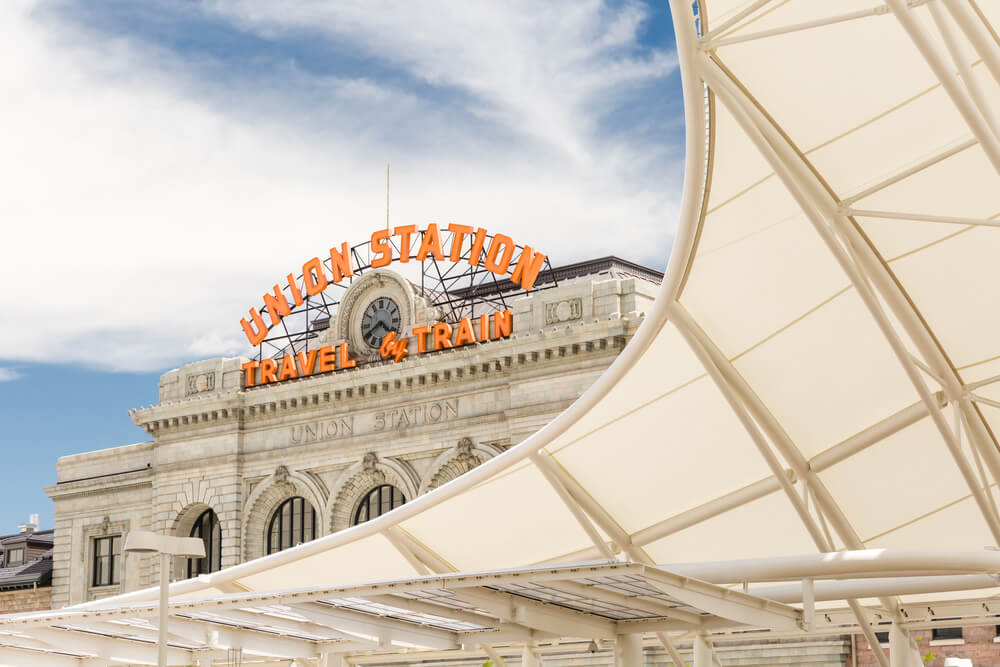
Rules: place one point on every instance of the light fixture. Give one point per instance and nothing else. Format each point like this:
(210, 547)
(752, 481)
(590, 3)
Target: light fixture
(146, 542)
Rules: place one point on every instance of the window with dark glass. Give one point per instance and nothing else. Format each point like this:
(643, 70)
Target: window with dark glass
(208, 529)
(15, 556)
(107, 560)
(377, 502)
(294, 522)
(946, 633)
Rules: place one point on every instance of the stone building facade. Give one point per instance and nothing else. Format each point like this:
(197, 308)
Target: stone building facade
(331, 439)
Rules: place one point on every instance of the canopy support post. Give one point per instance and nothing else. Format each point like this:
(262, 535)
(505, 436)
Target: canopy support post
(977, 33)
(628, 650)
(332, 660)
(529, 658)
(704, 656)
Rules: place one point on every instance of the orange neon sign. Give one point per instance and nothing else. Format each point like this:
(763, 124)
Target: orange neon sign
(495, 256)
(429, 338)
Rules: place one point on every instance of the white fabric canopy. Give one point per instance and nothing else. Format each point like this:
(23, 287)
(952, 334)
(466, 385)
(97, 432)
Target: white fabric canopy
(818, 369)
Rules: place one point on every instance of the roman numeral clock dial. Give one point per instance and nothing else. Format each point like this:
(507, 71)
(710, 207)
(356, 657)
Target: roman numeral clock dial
(380, 317)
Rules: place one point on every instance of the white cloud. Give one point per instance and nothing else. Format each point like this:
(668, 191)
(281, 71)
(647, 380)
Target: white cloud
(9, 375)
(146, 209)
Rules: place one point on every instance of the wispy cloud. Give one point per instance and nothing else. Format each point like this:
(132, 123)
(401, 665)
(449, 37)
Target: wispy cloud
(9, 375)
(166, 182)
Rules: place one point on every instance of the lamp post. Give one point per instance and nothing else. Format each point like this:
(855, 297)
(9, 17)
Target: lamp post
(168, 546)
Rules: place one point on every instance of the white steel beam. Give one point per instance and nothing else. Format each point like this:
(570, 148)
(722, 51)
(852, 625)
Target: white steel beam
(950, 38)
(872, 435)
(707, 510)
(977, 33)
(725, 602)
(958, 96)
(366, 626)
(876, 587)
(600, 515)
(850, 564)
(107, 648)
(710, 44)
(541, 616)
(920, 217)
(12, 657)
(654, 607)
(578, 513)
(906, 173)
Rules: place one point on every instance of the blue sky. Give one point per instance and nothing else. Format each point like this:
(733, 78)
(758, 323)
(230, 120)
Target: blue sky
(167, 161)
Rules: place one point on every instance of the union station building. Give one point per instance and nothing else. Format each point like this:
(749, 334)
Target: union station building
(254, 470)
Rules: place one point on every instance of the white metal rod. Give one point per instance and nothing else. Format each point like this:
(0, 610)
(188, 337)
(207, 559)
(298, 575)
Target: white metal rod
(906, 173)
(672, 651)
(573, 507)
(842, 565)
(959, 98)
(733, 20)
(710, 509)
(870, 436)
(947, 31)
(601, 516)
(696, 340)
(920, 217)
(797, 27)
(825, 591)
(977, 33)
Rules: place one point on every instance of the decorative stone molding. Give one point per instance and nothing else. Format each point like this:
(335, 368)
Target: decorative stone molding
(199, 383)
(361, 478)
(458, 460)
(563, 311)
(281, 485)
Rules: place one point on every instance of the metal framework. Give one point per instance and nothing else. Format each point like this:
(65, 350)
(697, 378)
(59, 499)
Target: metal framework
(543, 611)
(459, 289)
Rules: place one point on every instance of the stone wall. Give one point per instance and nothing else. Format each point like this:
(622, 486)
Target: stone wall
(28, 599)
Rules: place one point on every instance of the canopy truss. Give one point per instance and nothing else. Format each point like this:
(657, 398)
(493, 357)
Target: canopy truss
(820, 370)
(548, 610)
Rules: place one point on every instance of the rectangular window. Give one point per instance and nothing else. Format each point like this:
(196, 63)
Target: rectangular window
(946, 633)
(107, 560)
(15, 556)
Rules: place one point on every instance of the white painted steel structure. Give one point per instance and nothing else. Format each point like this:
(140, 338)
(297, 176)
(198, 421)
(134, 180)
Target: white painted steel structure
(819, 373)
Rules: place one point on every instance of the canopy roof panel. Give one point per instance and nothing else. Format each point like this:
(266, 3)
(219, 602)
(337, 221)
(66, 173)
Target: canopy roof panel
(819, 371)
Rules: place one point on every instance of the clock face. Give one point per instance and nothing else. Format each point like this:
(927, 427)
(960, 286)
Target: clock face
(380, 317)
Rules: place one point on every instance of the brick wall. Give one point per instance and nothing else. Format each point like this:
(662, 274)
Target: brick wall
(977, 645)
(29, 599)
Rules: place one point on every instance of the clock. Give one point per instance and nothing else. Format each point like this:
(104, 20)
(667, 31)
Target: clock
(380, 317)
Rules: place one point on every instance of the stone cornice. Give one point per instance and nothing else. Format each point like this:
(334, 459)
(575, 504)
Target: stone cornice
(354, 388)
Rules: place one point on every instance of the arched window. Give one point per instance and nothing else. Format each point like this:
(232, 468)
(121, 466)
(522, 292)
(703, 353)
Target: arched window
(208, 529)
(294, 522)
(377, 502)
